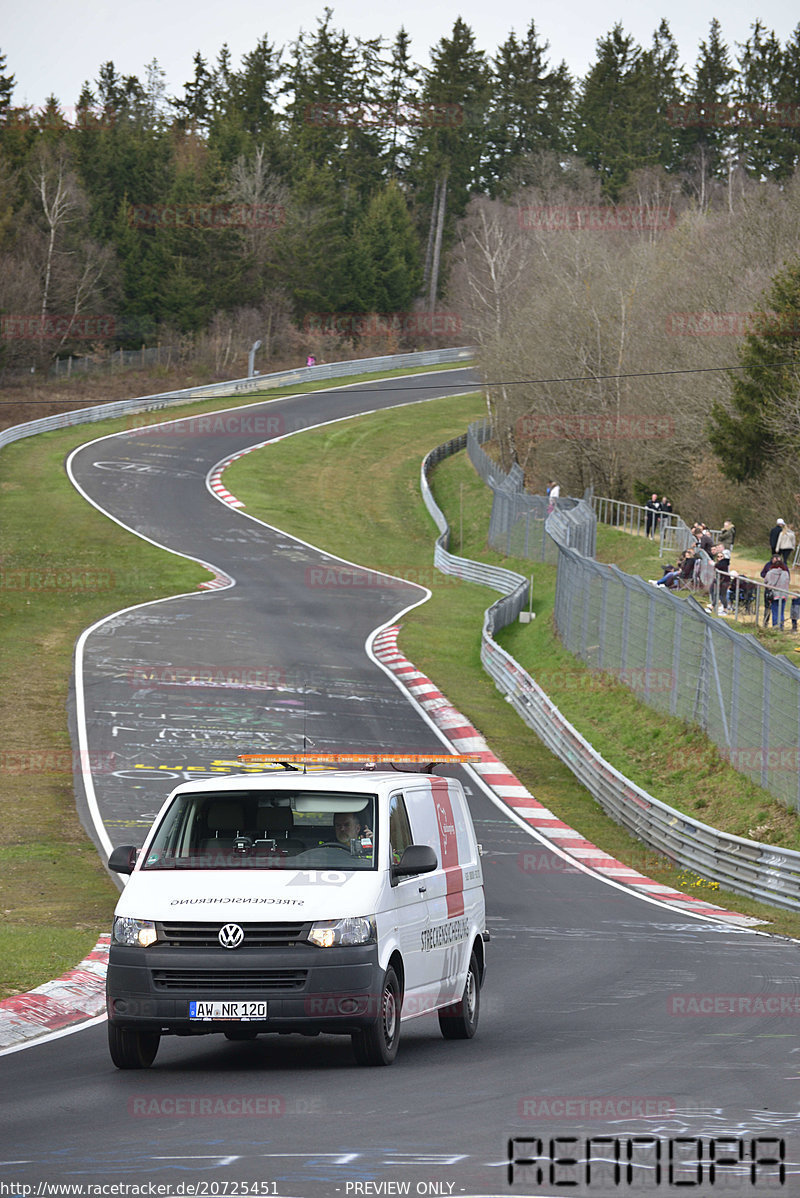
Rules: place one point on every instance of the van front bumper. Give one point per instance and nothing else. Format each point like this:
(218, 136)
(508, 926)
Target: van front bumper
(307, 989)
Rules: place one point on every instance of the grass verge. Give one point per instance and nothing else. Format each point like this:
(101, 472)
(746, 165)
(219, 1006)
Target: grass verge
(363, 477)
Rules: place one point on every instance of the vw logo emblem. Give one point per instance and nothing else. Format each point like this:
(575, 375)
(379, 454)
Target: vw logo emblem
(231, 935)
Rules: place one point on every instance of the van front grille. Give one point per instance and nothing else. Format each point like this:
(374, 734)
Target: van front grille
(256, 935)
(219, 981)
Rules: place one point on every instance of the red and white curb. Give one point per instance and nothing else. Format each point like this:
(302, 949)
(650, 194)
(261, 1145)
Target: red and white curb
(215, 478)
(466, 739)
(218, 583)
(73, 998)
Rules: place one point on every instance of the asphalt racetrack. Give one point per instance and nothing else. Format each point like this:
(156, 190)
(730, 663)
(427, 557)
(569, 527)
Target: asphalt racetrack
(623, 1047)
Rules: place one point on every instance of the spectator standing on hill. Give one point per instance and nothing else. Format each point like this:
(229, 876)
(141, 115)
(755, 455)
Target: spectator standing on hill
(777, 578)
(652, 510)
(553, 492)
(703, 538)
(727, 536)
(786, 542)
(774, 533)
(718, 595)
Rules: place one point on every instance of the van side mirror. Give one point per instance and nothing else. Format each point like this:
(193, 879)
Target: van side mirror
(417, 859)
(123, 859)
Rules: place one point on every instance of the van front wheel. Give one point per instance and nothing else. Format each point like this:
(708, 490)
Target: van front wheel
(132, 1049)
(378, 1043)
(460, 1021)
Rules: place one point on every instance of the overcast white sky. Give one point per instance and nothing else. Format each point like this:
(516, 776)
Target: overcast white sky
(53, 45)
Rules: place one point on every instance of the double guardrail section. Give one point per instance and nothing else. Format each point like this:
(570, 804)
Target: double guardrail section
(748, 867)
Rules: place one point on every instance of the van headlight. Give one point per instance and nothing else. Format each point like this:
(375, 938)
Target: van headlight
(353, 929)
(134, 933)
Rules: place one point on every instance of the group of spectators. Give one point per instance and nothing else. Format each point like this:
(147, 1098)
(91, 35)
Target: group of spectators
(653, 511)
(777, 576)
(708, 563)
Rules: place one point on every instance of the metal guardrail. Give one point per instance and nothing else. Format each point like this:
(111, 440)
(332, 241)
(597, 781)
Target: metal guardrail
(248, 386)
(513, 586)
(518, 523)
(762, 871)
(674, 534)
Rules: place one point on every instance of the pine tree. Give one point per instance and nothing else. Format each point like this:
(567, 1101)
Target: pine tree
(529, 106)
(399, 100)
(765, 147)
(706, 139)
(623, 114)
(322, 85)
(760, 427)
(254, 89)
(384, 262)
(311, 248)
(195, 108)
(450, 144)
(6, 87)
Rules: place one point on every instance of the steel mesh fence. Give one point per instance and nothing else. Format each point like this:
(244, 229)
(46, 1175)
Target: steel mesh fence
(683, 662)
(520, 523)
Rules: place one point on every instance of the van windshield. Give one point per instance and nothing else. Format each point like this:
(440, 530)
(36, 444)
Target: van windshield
(266, 829)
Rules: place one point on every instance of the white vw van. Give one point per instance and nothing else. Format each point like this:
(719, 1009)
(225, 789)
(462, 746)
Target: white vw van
(335, 901)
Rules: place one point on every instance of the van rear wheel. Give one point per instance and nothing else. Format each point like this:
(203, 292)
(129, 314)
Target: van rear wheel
(460, 1021)
(132, 1049)
(378, 1043)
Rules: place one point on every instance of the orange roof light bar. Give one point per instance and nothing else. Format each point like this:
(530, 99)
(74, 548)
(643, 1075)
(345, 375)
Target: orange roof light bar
(337, 758)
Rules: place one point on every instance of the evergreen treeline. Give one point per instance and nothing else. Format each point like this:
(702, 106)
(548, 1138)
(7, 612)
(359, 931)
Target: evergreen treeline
(331, 176)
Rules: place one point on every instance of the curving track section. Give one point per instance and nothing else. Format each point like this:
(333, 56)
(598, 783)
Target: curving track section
(596, 1019)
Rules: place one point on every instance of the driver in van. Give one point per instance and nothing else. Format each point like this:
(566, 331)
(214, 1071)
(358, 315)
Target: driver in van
(347, 827)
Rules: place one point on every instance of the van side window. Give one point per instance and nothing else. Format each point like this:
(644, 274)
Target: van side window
(399, 830)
